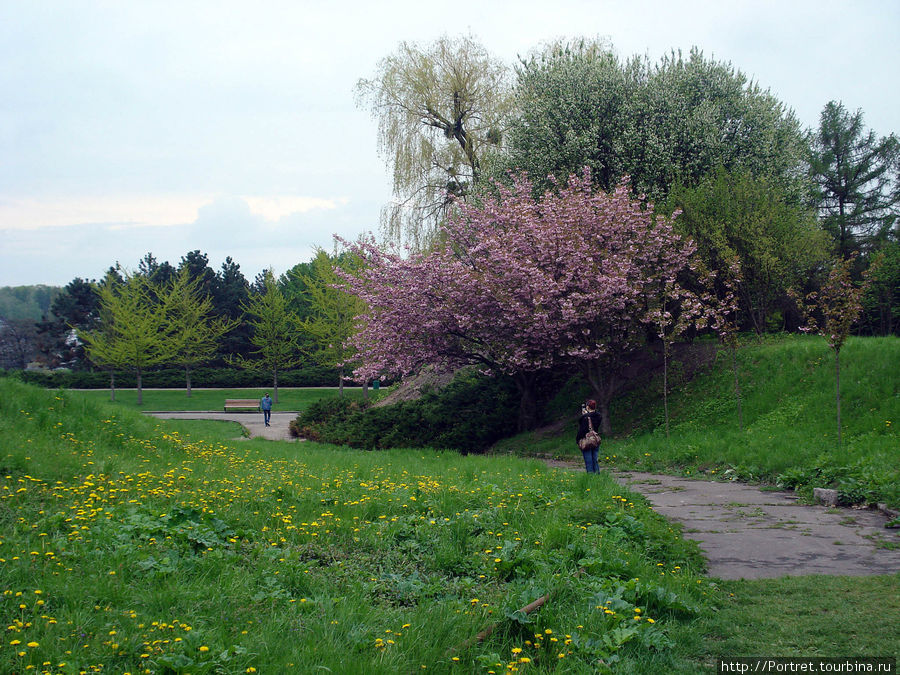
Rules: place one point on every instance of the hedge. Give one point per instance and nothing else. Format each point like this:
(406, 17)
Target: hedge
(174, 378)
(470, 414)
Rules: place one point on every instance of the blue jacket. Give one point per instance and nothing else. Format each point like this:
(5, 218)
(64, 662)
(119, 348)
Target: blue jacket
(265, 403)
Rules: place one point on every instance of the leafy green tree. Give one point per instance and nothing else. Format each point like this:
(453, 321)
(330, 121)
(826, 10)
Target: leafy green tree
(674, 121)
(293, 285)
(23, 303)
(832, 311)
(331, 321)
(134, 333)
(194, 329)
(440, 111)
(856, 175)
(276, 332)
(881, 301)
(751, 222)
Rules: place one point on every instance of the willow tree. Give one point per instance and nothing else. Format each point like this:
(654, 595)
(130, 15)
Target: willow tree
(440, 111)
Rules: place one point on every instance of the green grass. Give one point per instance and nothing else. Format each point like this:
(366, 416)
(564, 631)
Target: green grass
(131, 544)
(814, 616)
(289, 398)
(790, 430)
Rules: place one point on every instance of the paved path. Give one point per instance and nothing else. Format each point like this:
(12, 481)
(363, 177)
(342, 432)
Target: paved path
(251, 421)
(751, 534)
(746, 533)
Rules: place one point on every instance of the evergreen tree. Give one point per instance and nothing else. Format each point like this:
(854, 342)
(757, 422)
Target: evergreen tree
(276, 332)
(857, 179)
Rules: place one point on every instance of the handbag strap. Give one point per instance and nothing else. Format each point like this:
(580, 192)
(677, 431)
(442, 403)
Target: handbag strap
(590, 425)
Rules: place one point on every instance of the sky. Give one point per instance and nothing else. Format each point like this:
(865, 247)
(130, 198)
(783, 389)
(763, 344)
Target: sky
(232, 127)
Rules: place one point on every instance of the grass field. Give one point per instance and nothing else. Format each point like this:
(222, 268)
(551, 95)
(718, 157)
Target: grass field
(129, 544)
(289, 398)
(135, 545)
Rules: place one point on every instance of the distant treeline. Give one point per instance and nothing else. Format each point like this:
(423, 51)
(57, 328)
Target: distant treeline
(27, 303)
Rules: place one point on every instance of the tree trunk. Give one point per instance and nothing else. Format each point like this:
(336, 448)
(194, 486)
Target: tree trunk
(140, 389)
(603, 388)
(187, 373)
(112, 385)
(837, 383)
(275, 384)
(341, 382)
(666, 384)
(737, 387)
(525, 383)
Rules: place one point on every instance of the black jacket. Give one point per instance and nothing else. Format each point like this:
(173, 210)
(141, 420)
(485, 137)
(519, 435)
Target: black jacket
(596, 421)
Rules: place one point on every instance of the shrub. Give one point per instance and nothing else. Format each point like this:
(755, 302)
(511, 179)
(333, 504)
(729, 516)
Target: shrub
(469, 415)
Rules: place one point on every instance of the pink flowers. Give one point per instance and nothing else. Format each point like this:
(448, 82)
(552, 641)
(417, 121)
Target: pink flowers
(519, 284)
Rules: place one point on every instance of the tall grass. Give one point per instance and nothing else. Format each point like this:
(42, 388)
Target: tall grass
(790, 432)
(136, 545)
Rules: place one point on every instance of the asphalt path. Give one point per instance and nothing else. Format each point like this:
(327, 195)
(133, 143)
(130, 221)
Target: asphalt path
(252, 421)
(749, 533)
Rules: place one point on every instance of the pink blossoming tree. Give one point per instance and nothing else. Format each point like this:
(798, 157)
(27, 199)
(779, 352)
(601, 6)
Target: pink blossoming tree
(518, 285)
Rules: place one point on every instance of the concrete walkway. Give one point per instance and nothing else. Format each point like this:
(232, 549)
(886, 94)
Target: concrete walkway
(748, 533)
(751, 534)
(745, 533)
(251, 421)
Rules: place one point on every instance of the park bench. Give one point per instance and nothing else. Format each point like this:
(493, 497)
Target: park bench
(235, 403)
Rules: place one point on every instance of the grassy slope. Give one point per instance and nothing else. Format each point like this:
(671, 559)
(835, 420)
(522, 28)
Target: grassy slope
(790, 431)
(131, 544)
(278, 593)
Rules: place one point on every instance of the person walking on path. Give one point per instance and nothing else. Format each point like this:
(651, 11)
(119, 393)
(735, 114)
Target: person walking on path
(588, 438)
(266, 406)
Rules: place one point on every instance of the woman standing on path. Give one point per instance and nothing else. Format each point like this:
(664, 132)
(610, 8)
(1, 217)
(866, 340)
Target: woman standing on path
(588, 438)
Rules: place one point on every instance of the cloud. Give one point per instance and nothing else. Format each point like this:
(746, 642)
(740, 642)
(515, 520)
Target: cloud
(54, 240)
(120, 210)
(159, 210)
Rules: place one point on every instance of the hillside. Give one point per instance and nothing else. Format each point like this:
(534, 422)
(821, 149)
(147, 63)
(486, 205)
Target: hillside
(789, 433)
(135, 545)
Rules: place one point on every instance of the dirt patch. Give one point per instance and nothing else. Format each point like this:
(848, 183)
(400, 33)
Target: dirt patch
(411, 388)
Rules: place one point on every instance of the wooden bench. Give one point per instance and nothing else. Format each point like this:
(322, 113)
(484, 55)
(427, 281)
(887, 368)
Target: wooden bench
(235, 403)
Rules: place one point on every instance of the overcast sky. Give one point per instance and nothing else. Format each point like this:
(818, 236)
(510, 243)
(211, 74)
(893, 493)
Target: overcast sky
(231, 127)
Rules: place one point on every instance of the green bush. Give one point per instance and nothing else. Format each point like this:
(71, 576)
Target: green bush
(469, 415)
